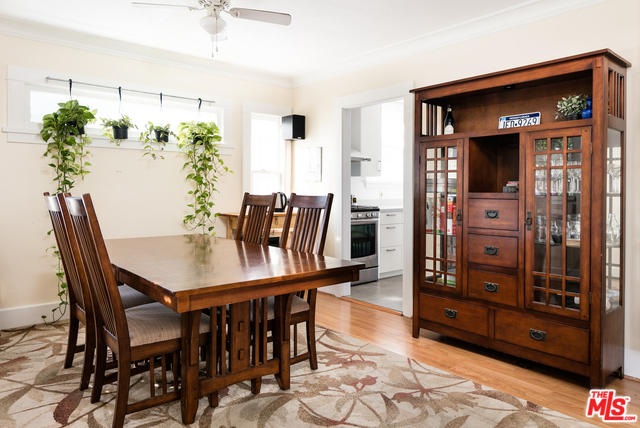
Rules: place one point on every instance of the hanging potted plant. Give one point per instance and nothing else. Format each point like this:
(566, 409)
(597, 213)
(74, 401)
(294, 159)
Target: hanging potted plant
(571, 107)
(117, 129)
(155, 135)
(63, 131)
(199, 141)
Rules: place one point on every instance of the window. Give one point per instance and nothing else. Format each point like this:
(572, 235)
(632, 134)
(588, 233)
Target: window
(31, 96)
(266, 157)
(267, 154)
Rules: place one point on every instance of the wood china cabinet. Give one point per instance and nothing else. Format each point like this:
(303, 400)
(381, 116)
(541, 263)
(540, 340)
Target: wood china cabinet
(539, 273)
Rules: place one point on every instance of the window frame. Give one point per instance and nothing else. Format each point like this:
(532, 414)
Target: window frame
(249, 110)
(22, 80)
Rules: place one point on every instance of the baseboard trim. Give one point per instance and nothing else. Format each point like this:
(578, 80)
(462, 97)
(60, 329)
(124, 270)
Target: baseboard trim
(371, 305)
(632, 363)
(27, 315)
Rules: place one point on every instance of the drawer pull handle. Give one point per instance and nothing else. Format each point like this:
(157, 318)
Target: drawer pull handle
(490, 251)
(391, 215)
(450, 313)
(391, 249)
(491, 214)
(538, 335)
(491, 287)
(391, 227)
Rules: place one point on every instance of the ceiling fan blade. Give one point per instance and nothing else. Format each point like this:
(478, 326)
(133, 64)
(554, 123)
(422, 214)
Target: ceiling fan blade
(261, 15)
(140, 4)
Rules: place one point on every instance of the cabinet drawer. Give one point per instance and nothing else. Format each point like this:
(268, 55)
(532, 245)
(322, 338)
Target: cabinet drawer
(493, 250)
(390, 235)
(390, 259)
(391, 217)
(553, 338)
(471, 318)
(493, 287)
(493, 214)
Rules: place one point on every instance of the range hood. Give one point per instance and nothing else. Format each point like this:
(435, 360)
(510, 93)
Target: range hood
(356, 156)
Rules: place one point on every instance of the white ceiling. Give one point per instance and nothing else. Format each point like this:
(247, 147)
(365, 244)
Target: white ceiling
(326, 37)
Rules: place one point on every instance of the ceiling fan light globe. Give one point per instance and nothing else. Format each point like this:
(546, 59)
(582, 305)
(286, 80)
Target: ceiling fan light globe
(220, 37)
(213, 25)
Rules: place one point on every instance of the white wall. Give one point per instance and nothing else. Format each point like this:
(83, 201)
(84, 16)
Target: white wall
(133, 196)
(614, 24)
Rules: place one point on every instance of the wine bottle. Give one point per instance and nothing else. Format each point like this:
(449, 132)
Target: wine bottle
(449, 122)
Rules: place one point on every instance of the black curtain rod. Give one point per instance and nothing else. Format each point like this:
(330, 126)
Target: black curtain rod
(128, 90)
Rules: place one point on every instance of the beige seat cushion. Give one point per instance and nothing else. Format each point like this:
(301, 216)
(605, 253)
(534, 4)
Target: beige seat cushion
(156, 323)
(131, 298)
(297, 305)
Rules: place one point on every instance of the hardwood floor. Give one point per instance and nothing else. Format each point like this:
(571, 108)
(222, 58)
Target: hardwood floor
(556, 389)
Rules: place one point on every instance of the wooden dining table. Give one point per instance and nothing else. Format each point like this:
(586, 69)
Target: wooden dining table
(190, 273)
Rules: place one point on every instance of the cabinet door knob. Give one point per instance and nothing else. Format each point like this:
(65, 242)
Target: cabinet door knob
(538, 335)
(491, 213)
(450, 313)
(490, 251)
(491, 287)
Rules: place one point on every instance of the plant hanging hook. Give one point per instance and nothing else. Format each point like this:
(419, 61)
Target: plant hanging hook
(70, 85)
(120, 108)
(199, 106)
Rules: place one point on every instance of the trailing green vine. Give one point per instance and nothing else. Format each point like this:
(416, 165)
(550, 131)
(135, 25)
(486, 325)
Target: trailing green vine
(155, 137)
(199, 141)
(63, 131)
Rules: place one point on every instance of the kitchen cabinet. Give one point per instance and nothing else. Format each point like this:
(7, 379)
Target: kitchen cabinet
(390, 242)
(539, 273)
(371, 140)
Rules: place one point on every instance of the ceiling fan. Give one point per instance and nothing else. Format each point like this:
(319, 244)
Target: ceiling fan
(213, 24)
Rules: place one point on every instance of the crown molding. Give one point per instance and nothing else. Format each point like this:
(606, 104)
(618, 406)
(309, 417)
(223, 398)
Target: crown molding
(73, 39)
(521, 14)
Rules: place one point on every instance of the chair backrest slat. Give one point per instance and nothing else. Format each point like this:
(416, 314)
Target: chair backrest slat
(311, 224)
(62, 241)
(254, 219)
(102, 283)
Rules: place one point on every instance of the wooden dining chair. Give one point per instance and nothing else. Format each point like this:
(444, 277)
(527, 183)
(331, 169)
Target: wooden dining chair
(79, 303)
(309, 235)
(140, 334)
(258, 210)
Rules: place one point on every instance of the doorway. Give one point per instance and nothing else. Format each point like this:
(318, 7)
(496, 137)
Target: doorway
(379, 189)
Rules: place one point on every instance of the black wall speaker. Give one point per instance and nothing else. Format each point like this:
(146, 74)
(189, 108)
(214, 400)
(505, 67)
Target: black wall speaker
(293, 127)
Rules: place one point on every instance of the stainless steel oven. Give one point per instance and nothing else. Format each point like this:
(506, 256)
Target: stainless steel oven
(364, 240)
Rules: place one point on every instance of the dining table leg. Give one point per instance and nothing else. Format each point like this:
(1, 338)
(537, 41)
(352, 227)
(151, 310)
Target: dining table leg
(282, 337)
(190, 366)
(239, 336)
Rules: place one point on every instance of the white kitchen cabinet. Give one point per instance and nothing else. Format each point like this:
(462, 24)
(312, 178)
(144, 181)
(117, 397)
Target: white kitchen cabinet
(390, 243)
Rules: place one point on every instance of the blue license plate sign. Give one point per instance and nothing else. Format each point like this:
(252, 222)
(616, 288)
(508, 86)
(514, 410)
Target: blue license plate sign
(525, 119)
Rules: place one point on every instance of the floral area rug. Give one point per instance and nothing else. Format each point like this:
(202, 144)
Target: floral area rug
(356, 385)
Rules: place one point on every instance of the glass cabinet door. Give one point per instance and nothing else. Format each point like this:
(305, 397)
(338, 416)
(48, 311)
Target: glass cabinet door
(557, 221)
(440, 193)
(613, 268)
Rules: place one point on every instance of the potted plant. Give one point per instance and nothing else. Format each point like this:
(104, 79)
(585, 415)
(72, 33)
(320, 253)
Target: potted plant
(572, 106)
(63, 132)
(117, 129)
(199, 141)
(160, 138)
